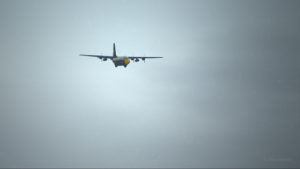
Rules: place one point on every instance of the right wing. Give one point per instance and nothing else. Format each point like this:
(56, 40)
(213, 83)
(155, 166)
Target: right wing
(136, 58)
(98, 56)
(143, 57)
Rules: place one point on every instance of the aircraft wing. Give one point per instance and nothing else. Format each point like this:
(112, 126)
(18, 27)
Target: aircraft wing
(98, 56)
(143, 57)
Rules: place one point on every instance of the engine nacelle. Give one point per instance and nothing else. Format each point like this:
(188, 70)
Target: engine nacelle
(136, 60)
(104, 59)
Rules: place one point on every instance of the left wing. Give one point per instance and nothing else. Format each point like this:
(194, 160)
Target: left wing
(99, 56)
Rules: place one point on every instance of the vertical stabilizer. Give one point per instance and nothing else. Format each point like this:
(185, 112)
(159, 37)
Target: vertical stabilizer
(114, 52)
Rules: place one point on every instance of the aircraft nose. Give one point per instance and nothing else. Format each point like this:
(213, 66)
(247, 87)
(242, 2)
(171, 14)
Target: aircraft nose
(127, 61)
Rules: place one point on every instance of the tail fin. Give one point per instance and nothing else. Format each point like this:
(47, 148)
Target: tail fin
(114, 52)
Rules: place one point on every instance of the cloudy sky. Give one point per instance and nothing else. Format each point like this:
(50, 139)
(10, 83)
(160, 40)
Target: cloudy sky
(226, 93)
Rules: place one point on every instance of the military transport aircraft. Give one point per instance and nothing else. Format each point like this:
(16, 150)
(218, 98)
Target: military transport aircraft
(121, 60)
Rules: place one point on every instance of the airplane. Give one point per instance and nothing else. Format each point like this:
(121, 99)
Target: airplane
(121, 60)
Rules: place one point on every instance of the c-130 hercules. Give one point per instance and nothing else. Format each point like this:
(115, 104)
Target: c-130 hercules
(121, 60)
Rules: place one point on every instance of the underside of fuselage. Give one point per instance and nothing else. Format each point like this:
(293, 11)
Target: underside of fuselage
(121, 62)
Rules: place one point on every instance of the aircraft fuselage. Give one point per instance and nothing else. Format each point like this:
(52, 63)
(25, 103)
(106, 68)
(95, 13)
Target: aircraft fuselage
(121, 61)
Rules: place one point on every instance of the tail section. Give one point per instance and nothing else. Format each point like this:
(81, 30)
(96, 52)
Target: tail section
(114, 52)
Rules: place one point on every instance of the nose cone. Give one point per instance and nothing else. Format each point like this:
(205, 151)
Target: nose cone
(127, 61)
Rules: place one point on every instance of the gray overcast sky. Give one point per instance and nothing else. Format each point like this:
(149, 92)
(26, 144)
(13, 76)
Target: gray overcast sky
(226, 93)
